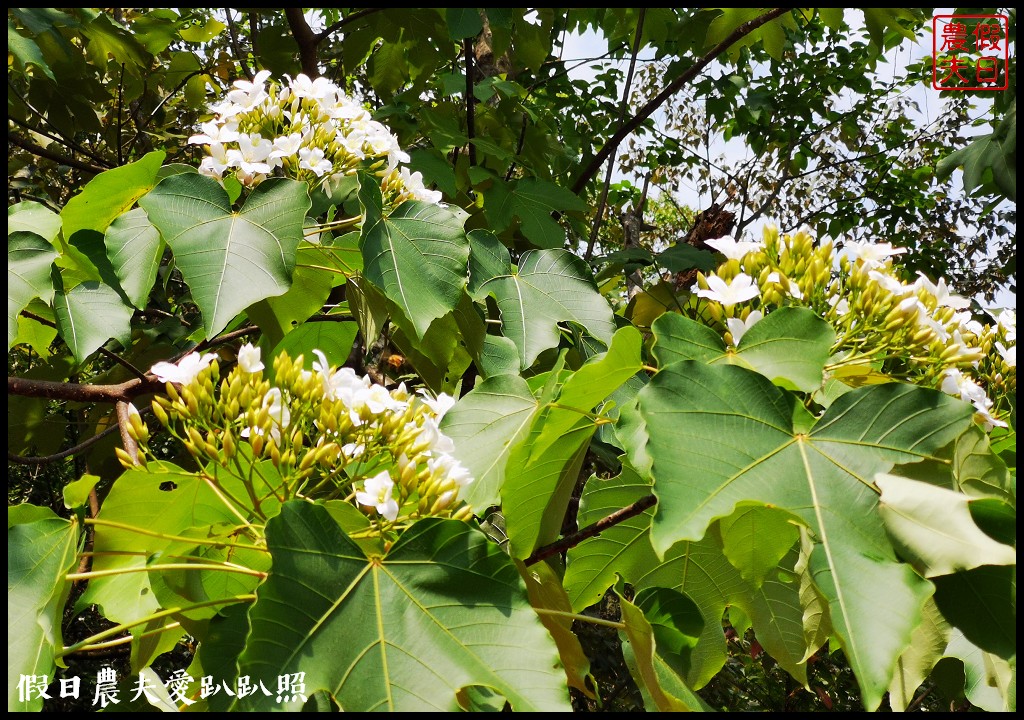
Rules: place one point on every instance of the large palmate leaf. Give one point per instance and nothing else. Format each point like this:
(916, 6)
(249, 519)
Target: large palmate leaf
(29, 258)
(110, 194)
(543, 469)
(551, 286)
(417, 255)
(134, 247)
(485, 425)
(721, 435)
(230, 259)
(790, 346)
(444, 609)
(698, 569)
(41, 550)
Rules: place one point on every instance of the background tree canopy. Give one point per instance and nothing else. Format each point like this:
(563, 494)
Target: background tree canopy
(658, 432)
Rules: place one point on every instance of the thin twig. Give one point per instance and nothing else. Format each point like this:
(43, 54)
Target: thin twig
(671, 89)
(571, 541)
(44, 459)
(334, 27)
(599, 215)
(50, 155)
(234, 45)
(120, 118)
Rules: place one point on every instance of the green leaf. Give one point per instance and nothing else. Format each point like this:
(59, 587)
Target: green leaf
(463, 22)
(134, 248)
(989, 680)
(933, 529)
(488, 259)
(310, 288)
(110, 194)
(927, 645)
(164, 500)
(417, 255)
(333, 338)
(76, 492)
(662, 688)
(741, 446)
(755, 539)
(485, 425)
(29, 259)
(981, 603)
(681, 257)
(202, 33)
(26, 52)
(229, 259)
(531, 201)
(90, 314)
(551, 286)
(544, 587)
(33, 217)
(544, 467)
(444, 609)
(789, 346)
(41, 550)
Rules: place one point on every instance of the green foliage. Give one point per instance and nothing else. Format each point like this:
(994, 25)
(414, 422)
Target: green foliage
(420, 440)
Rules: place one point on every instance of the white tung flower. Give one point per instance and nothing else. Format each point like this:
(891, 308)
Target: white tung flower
(738, 328)
(440, 405)
(185, 371)
(1008, 354)
(741, 289)
(377, 493)
(732, 248)
(249, 358)
(940, 291)
(871, 254)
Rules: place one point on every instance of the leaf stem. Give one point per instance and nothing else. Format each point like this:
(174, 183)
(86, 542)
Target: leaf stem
(167, 566)
(149, 618)
(581, 618)
(129, 638)
(179, 538)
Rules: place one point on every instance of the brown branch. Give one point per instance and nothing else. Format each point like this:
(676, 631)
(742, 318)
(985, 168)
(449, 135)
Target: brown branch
(234, 45)
(44, 459)
(51, 155)
(571, 541)
(671, 89)
(358, 15)
(126, 391)
(599, 215)
(306, 39)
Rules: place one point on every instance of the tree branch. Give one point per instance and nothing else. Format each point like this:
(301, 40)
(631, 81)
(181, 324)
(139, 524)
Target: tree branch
(306, 40)
(358, 15)
(44, 459)
(77, 392)
(647, 110)
(50, 155)
(599, 215)
(234, 45)
(571, 541)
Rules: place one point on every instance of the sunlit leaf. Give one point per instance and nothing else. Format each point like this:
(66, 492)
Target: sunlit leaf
(230, 259)
(444, 609)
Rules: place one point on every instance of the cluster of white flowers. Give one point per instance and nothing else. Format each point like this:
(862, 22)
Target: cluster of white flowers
(307, 129)
(859, 292)
(389, 442)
